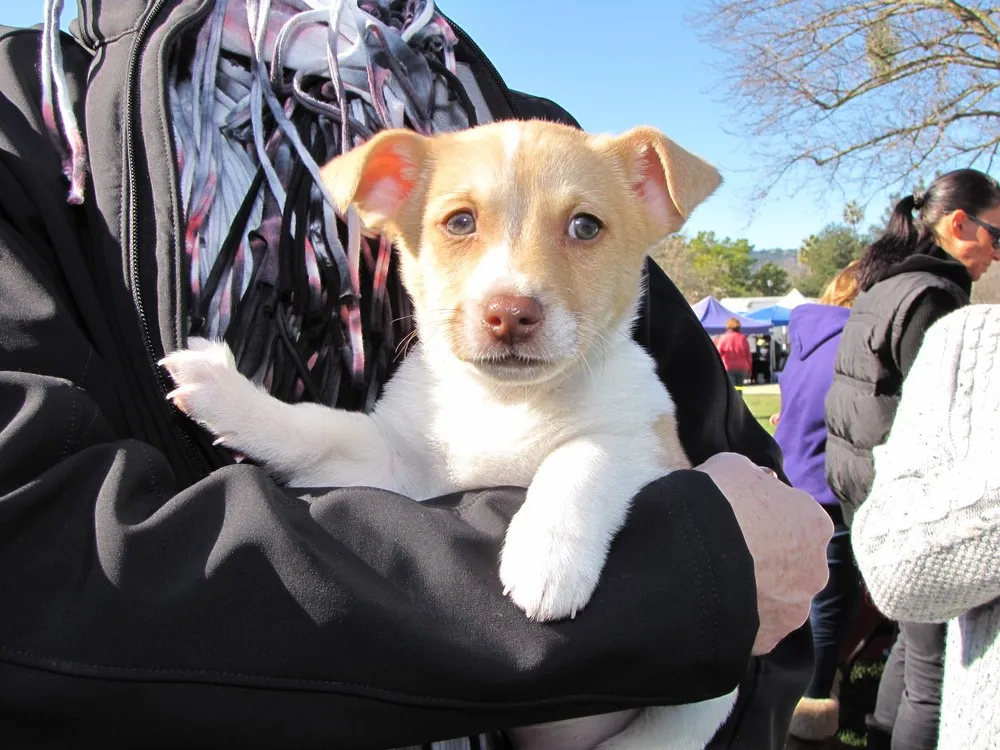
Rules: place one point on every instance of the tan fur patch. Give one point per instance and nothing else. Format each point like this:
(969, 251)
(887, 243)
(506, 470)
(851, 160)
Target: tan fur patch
(673, 455)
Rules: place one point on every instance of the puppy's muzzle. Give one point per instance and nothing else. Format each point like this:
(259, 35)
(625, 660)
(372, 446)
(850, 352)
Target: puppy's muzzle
(511, 320)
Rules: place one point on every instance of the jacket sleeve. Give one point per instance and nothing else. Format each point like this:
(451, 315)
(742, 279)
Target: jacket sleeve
(927, 539)
(711, 413)
(138, 612)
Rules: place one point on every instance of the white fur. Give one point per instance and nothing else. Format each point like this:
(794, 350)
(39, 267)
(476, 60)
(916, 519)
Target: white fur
(511, 140)
(496, 273)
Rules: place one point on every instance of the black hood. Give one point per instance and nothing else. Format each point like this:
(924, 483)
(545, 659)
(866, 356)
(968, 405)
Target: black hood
(930, 258)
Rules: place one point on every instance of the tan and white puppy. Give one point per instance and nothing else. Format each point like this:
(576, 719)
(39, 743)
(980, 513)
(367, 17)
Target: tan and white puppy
(522, 245)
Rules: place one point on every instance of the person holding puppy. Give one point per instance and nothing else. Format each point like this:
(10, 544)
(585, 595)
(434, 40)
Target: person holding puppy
(920, 269)
(158, 592)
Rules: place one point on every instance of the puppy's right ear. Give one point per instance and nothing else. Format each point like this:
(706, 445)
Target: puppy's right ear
(378, 177)
(670, 180)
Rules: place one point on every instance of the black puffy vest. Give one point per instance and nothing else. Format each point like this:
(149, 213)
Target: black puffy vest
(862, 402)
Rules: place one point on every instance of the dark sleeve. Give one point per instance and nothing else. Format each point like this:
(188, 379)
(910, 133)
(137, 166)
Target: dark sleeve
(711, 414)
(139, 611)
(531, 107)
(932, 305)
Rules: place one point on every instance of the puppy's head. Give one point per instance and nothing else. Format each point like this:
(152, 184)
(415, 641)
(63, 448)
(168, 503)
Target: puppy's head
(521, 243)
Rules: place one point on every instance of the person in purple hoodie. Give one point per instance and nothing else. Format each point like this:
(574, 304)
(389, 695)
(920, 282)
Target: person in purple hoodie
(814, 332)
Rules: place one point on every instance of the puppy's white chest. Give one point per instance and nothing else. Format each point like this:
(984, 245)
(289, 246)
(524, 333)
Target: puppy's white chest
(486, 444)
(459, 434)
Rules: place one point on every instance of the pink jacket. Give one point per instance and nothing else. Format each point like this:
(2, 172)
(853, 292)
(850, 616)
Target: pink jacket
(735, 351)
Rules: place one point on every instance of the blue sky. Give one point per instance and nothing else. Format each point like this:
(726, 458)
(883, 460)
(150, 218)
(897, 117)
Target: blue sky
(615, 65)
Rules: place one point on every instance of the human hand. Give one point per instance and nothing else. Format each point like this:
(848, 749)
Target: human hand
(786, 532)
(774, 418)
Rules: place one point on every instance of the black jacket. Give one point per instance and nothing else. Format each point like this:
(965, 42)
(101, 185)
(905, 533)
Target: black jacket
(877, 348)
(151, 602)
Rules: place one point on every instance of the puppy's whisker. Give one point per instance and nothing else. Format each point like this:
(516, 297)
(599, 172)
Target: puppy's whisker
(406, 341)
(428, 322)
(601, 342)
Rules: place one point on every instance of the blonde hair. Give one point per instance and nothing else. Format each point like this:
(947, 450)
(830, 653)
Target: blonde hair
(844, 287)
(732, 324)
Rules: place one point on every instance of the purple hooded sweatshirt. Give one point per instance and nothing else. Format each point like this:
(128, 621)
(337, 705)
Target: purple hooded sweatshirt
(814, 332)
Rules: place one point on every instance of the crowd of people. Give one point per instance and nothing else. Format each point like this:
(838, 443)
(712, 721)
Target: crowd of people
(158, 179)
(887, 403)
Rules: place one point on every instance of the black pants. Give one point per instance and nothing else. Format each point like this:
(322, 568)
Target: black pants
(835, 607)
(909, 696)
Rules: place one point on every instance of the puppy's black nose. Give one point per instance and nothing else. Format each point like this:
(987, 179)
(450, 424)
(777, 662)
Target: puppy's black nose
(510, 319)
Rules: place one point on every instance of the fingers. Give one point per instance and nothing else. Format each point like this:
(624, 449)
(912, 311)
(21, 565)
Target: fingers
(787, 533)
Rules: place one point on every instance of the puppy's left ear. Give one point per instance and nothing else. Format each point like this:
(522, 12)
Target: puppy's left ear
(670, 180)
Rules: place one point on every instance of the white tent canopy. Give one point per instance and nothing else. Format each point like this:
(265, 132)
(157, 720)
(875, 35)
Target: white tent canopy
(744, 305)
(792, 300)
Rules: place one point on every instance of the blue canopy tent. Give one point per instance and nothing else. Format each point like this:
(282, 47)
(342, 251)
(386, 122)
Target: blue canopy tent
(775, 315)
(713, 317)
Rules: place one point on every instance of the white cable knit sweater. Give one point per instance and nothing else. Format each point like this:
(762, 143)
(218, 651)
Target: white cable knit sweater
(927, 540)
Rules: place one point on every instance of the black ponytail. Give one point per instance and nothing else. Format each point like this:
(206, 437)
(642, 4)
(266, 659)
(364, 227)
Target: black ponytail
(966, 189)
(896, 243)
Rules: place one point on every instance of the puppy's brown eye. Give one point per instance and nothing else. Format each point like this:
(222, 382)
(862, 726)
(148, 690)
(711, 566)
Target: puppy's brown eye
(584, 227)
(461, 223)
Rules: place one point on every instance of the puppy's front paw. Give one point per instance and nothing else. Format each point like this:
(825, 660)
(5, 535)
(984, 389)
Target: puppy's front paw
(207, 383)
(546, 572)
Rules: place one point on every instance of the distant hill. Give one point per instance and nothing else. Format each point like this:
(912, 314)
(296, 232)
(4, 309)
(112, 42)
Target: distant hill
(786, 259)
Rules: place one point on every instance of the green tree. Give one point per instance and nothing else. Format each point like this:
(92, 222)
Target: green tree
(722, 267)
(768, 280)
(824, 254)
(706, 265)
(853, 215)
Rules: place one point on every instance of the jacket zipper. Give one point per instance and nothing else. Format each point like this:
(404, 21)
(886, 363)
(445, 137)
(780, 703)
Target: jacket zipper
(483, 60)
(131, 92)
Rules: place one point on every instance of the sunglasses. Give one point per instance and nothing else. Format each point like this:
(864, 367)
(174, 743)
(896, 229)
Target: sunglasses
(994, 231)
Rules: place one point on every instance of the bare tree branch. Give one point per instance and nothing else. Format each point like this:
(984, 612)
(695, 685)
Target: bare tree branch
(866, 92)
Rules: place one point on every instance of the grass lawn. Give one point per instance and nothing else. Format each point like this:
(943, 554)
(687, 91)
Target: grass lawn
(762, 406)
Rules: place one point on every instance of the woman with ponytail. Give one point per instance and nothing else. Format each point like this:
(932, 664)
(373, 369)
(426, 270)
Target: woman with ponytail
(920, 269)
